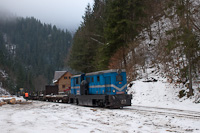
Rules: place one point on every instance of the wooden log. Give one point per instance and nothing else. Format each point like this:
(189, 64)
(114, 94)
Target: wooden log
(18, 101)
(6, 100)
(5, 96)
(2, 103)
(12, 101)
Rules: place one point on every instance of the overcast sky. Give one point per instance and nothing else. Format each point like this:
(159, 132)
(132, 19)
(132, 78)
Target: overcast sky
(62, 13)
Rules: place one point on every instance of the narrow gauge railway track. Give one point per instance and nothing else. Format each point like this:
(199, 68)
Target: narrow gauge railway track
(164, 111)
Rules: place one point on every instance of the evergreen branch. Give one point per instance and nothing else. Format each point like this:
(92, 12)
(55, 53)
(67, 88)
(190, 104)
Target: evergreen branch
(96, 41)
(195, 25)
(97, 35)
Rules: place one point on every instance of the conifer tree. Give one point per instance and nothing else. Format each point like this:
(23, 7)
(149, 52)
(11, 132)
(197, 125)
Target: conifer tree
(122, 24)
(87, 39)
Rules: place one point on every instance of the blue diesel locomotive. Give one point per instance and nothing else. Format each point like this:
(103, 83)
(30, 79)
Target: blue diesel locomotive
(103, 88)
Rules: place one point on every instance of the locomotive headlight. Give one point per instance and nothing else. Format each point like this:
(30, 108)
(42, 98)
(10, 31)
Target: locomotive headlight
(119, 71)
(114, 91)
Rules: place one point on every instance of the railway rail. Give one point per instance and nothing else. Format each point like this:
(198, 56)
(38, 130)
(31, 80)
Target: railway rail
(140, 109)
(164, 111)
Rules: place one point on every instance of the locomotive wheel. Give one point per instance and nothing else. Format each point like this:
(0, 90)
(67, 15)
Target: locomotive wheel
(100, 103)
(76, 101)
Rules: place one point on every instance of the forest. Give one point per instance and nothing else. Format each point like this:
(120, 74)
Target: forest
(30, 52)
(137, 34)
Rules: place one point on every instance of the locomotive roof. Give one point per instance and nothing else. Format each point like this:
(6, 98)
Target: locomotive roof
(101, 72)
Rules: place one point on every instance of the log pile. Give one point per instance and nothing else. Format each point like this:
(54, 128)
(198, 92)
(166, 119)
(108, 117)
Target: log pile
(10, 100)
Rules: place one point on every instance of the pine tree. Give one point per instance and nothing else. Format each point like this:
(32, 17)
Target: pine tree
(122, 24)
(87, 40)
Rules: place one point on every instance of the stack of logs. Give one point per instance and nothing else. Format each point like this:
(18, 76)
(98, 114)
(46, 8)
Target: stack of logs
(10, 100)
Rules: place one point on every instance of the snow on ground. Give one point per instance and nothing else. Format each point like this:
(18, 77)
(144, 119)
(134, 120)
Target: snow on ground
(65, 118)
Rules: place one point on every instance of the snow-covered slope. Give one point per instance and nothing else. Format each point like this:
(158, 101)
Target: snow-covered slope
(160, 93)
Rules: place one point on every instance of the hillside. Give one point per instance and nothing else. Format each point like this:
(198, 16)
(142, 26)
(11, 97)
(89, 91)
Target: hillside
(137, 35)
(30, 52)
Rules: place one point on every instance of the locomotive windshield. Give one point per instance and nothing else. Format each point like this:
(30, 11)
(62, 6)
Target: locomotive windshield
(119, 78)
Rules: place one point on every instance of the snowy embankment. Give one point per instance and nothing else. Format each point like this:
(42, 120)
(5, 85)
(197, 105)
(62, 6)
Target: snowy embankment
(161, 93)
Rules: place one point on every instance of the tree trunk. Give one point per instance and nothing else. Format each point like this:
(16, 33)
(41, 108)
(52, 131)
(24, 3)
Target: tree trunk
(124, 57)
(190, 78)
(189, 54)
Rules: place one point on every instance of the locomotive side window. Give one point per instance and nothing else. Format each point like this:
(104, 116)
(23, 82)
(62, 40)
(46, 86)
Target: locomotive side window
(92, 79)
(88, 79)
(119, 78)
(98, 79)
